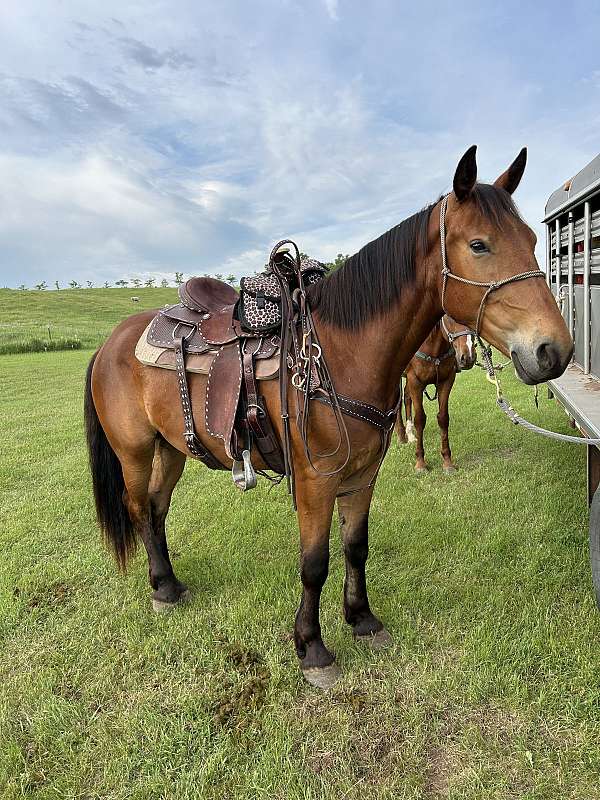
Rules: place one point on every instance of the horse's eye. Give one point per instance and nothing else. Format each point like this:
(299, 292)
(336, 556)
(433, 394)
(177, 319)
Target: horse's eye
(477, 246)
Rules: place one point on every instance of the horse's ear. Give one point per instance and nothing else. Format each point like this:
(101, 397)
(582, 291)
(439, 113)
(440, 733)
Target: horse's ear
(465, 175)
(510, 179)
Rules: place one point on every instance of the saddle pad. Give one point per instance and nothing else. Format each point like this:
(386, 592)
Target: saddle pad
(266, 368)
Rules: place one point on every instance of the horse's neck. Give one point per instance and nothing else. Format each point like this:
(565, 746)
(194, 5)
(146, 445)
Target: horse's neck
(435, 344)
(367, 363)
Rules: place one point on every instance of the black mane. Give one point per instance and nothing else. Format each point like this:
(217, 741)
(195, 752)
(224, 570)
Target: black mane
(371, 281)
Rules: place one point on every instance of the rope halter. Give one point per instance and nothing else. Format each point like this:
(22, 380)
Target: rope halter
(489, 286)
(453, 336)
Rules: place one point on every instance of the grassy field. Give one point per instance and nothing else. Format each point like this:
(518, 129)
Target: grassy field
(491, 690)
(86, 315)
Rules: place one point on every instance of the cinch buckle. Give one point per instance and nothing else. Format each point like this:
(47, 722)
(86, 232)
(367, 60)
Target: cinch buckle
(186, 325)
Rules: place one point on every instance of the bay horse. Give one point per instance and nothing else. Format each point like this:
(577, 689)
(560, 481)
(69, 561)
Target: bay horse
(459, 255)
(449, 348)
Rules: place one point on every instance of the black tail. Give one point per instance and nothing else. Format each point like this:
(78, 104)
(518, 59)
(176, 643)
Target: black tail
(108, 483)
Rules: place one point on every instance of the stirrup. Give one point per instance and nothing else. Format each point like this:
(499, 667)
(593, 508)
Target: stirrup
(243, 473)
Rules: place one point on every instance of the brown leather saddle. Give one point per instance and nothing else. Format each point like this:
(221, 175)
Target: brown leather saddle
(205, 322)
(269, 318)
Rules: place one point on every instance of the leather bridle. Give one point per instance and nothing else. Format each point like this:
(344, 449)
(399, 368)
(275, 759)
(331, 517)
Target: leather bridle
(489, 286)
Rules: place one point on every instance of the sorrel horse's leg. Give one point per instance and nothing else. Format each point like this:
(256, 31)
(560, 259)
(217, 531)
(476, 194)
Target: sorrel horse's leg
(400, 429)
(315, 501)
(443, 419)
(420, 419)
(354, 526)
(408, 412)
(138, 473)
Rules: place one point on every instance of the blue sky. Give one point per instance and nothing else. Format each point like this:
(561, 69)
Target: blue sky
(137, 139)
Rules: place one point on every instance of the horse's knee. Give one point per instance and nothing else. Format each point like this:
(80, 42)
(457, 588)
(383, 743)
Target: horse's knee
(314, 567)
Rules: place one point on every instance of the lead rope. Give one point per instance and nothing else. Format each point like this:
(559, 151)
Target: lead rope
(486, 350)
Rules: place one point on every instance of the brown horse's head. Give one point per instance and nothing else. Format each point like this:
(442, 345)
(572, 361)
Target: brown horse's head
(487, 241)
(462, 340)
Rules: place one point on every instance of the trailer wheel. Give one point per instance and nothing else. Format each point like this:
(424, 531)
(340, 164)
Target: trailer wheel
(595, 543)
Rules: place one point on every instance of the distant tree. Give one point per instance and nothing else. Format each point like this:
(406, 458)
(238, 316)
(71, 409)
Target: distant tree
(137, 283)
(164, 283)
(74, 285)
(123, 283)
(339, 261)
(57, 284)
(218, 276)
(150, 283)
(22, 287)
(90, 285)
(41, 286)
(178, 278)
(231, 279)
(106, 285)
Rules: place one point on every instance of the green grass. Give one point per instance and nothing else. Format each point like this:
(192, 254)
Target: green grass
(491, 689)
(84, 315)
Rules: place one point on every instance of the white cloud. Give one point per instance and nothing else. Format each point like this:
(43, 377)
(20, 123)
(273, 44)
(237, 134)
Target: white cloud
(332, 9)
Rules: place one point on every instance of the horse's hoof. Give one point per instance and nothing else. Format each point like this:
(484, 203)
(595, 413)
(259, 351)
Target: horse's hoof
(322, 677)
(161, 606)
(402, 440)
(421, 470)
(450, 469)
(376, 641)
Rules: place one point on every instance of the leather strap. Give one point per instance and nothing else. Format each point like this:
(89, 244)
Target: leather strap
(384, 420)
(257, 418)
(252, 408)
(432, 359)
(193, 443)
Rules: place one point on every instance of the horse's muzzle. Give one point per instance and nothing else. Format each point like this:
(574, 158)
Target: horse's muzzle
(545, 361)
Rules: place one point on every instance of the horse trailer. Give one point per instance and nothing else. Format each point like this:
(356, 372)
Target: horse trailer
(572, 222)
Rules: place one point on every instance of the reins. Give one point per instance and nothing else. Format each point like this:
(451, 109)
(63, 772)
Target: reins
(301, 353)
(305, 360)
(486, 350)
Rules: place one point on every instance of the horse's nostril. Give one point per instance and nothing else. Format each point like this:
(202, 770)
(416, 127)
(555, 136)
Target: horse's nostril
(547, 356)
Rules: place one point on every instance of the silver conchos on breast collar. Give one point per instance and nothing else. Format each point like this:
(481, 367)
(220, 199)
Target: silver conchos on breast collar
(489, 286)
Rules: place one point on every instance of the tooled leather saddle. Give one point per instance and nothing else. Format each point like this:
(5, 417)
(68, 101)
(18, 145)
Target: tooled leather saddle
(236, 334)
(236, 339)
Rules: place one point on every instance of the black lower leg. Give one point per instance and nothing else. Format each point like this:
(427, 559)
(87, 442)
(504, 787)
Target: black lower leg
(356, 602)
(307, 630)
(167, 588)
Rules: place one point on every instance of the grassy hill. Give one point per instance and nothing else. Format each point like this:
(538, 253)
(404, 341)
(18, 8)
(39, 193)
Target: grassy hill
(76, 318)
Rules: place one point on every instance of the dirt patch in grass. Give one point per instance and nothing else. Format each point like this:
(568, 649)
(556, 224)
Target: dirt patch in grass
(448, 754)
(49, 597)
(476, 459)
(374, 743)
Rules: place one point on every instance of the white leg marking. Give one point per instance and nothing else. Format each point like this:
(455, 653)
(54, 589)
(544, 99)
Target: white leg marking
(410, 431)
